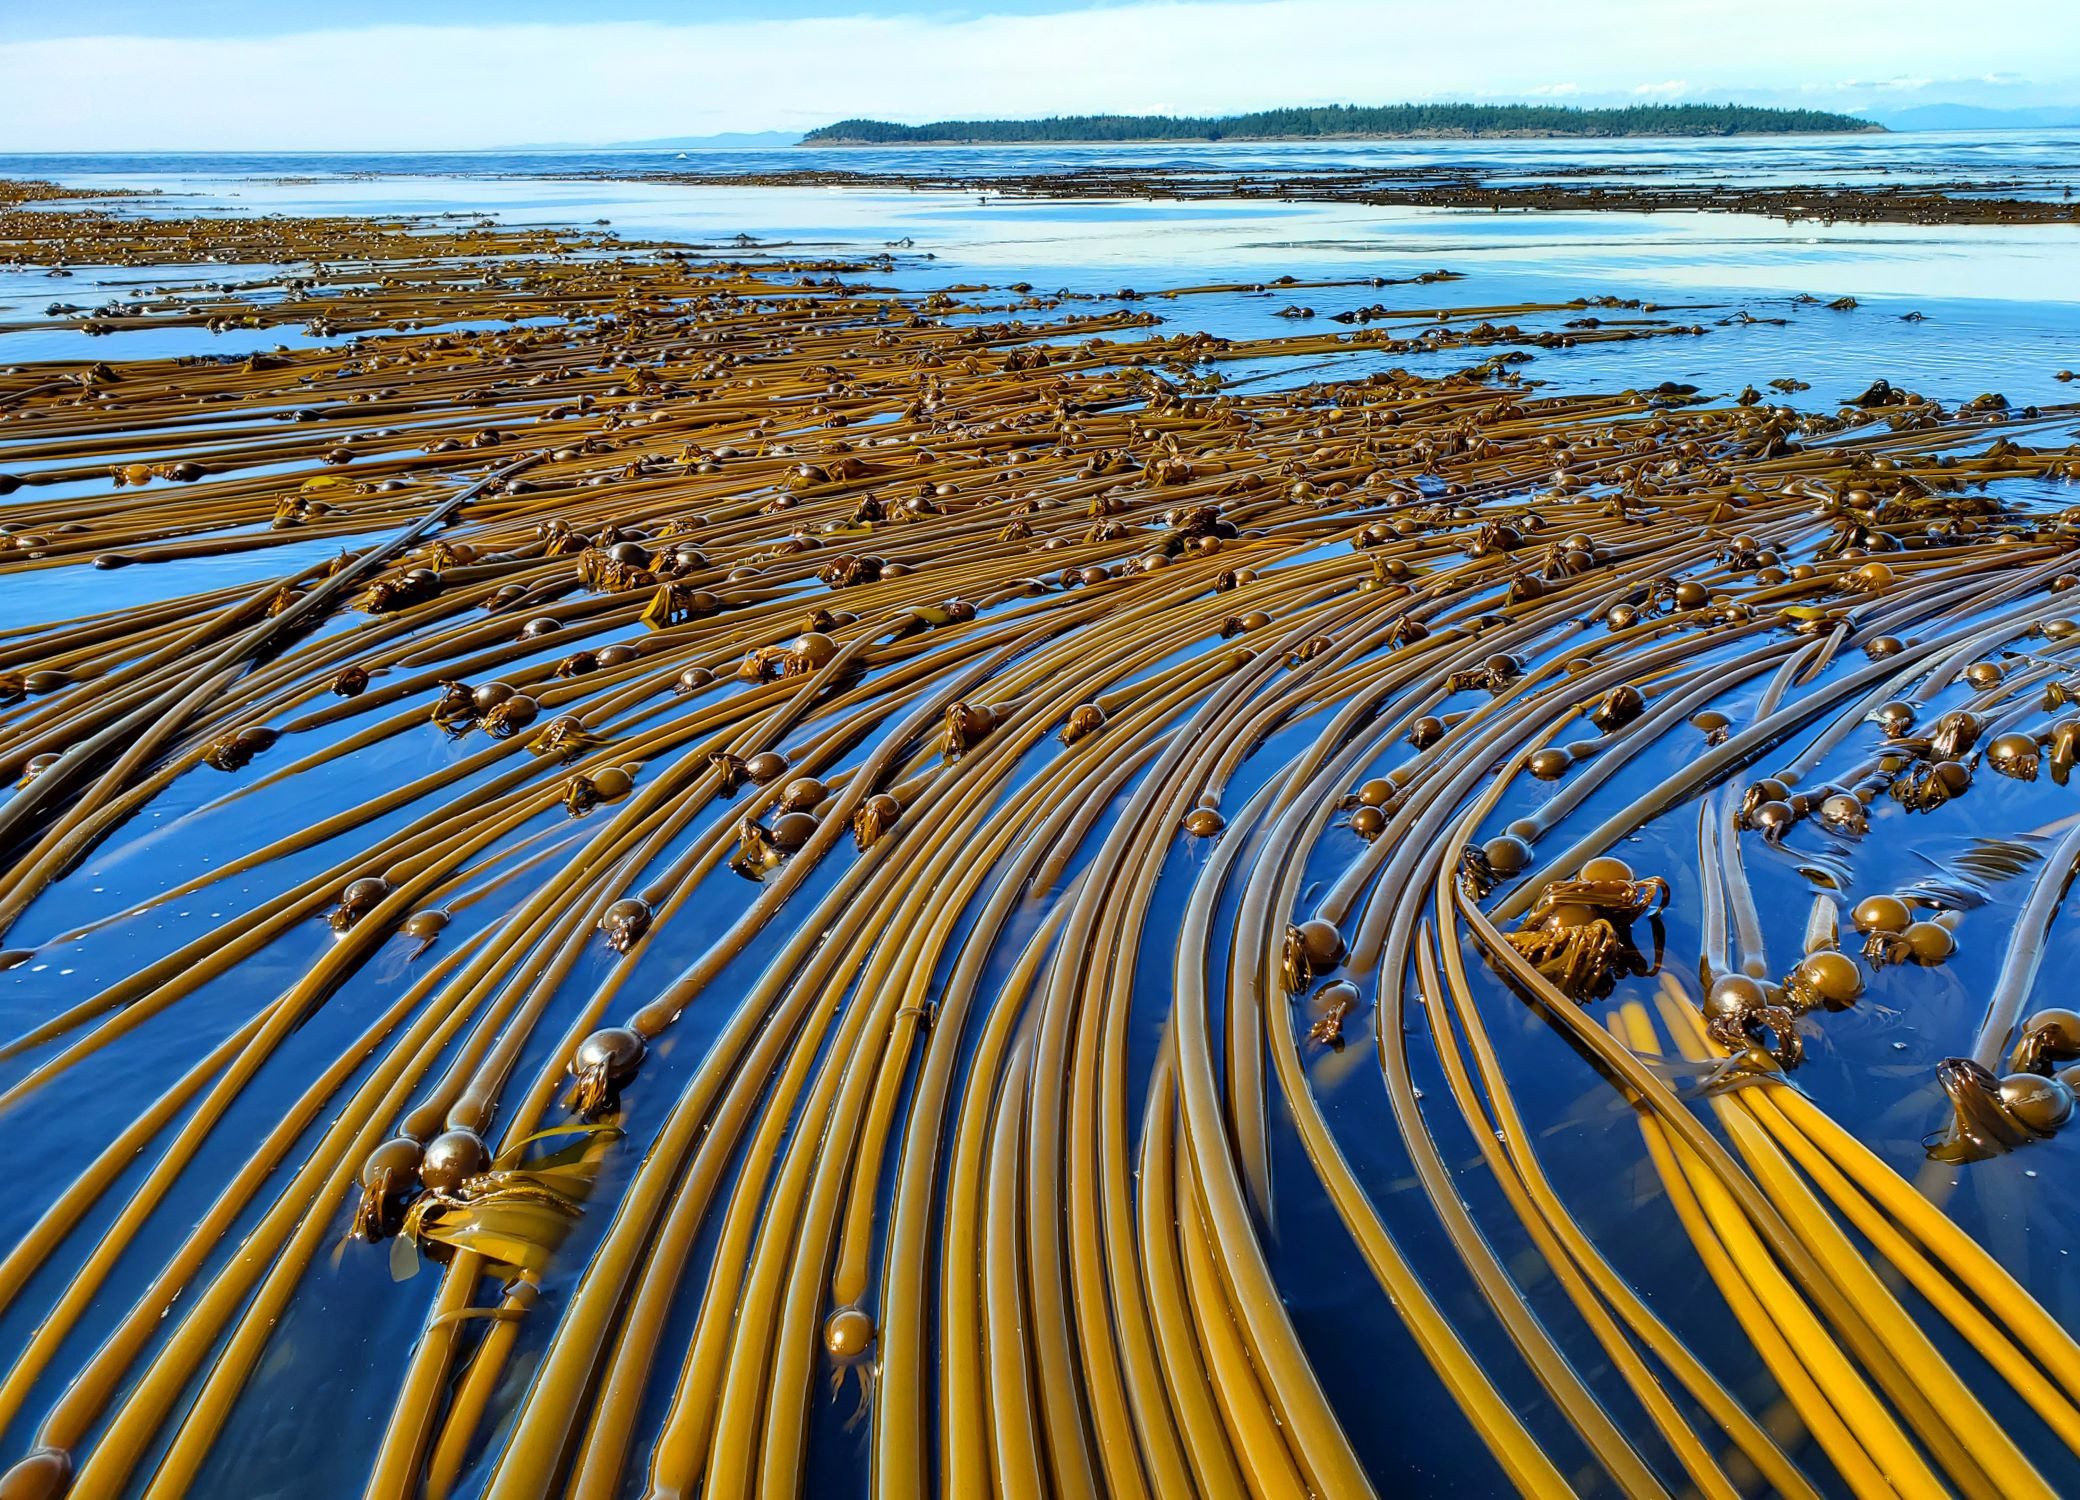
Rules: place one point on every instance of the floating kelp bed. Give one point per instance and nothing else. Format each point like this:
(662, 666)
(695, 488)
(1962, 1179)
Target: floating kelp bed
(1460, 186)
(768, 886)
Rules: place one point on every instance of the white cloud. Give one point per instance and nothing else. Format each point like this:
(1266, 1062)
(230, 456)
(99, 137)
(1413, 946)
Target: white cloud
(413, 86)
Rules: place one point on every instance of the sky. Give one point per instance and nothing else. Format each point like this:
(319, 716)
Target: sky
(115, 75)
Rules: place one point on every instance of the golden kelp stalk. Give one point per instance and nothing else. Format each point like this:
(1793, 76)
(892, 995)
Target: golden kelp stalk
(808, 716)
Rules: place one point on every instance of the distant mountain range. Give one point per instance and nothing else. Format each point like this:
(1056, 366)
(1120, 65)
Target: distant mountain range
(734, 140)
(1977, 117)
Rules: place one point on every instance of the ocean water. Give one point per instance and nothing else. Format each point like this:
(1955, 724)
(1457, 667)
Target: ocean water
(1950, 310)
(2036, 162)
(1953, 311)
(1998, 306)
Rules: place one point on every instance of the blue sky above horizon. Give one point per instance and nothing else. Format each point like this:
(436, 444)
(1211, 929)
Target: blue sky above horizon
(21, 20)
(402, 74)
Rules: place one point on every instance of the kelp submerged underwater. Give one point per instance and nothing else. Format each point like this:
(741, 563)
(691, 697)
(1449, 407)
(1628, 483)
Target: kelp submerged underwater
(758, 884)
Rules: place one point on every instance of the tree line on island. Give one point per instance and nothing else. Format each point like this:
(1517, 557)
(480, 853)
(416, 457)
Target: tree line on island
(1346, 121)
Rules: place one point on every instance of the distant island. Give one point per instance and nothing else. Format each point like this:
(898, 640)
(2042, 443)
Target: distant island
(1354, 122)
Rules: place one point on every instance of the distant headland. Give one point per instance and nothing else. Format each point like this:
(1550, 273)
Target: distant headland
(1354, 122)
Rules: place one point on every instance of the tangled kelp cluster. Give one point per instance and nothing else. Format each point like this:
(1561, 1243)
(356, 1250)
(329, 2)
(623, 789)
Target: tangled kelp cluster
(892, 887)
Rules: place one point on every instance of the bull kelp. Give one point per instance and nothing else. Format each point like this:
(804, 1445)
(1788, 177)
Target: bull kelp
(661, 871)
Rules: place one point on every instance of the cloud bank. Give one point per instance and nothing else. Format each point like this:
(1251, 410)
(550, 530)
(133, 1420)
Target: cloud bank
(403, 87)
